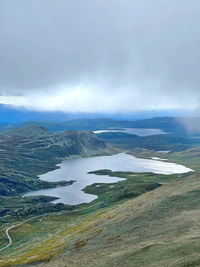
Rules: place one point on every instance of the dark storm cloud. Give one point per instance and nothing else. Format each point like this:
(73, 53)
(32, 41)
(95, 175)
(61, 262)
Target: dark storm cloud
(150, 45)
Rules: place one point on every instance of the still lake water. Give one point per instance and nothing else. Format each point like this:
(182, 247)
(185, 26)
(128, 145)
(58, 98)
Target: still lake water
(135, 131)
(77, 169)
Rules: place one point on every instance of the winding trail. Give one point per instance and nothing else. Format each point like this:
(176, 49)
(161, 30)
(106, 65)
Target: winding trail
(32, 218)
(14, 226)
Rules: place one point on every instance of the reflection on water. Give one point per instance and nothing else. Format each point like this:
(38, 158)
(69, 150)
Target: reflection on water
(77, 169)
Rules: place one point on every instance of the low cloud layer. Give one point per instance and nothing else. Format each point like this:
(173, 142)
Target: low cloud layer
(117, 55)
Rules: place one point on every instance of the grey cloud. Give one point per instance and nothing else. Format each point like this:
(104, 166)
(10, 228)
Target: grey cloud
(152, 45)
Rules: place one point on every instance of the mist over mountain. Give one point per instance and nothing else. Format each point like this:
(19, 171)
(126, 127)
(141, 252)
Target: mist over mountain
(14, 114)
(100, 133)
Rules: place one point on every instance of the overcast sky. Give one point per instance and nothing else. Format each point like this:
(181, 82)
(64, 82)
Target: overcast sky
(100, 55)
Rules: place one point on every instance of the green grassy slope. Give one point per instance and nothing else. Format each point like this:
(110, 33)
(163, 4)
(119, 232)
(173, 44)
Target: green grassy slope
(158, 228)
(28, 152)
(136, 222)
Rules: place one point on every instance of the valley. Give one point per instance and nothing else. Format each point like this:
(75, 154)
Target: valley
(126, 195)
(33, 151)
(99, 133)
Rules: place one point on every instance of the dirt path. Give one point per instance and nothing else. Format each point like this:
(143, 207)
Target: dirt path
(32, 218)
(14, 226)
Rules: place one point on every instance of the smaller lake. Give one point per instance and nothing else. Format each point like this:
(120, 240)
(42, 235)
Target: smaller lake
(135, 131)
(77, 169)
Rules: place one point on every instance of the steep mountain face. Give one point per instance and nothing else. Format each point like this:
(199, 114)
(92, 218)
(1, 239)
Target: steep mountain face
(29, 151)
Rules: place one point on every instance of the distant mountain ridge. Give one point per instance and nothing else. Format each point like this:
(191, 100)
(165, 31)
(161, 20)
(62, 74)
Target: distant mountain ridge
(15, 114)
(173, 125)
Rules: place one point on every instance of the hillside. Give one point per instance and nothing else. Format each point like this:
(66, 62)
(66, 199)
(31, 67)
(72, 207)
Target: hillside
(38, 150)
(146, 220)
(34, 130)
(158, 228)
(28, 152)
(134, 227)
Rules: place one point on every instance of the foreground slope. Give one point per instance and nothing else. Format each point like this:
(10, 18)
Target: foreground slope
(158, 228)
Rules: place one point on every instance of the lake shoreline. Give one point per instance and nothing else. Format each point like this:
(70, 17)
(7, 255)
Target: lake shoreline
(78, 169)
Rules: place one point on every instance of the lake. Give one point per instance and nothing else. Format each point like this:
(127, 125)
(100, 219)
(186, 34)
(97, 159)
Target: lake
(135, 131)
(77, 169)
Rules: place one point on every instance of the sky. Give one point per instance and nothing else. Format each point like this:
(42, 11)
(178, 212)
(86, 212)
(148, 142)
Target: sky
(100, 55)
